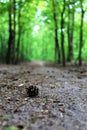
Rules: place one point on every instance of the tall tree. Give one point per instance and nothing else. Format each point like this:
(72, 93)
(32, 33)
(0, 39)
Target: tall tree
(19, 30)
(70, 28)
(12, 27)
(57, 49)
(10, 40)
(62, 33)
(81, 34)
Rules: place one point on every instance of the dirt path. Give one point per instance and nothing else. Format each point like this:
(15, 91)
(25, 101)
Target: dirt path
(60, 105)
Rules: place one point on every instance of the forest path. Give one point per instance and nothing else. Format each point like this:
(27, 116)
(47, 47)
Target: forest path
(60, 105)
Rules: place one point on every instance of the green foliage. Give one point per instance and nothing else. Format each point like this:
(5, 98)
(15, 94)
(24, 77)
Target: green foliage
(11, 128)
(37, 29)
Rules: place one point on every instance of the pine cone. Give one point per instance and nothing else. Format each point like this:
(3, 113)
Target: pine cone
(32, 91)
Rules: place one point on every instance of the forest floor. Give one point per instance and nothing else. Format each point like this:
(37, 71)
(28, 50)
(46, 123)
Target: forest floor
(60, 105)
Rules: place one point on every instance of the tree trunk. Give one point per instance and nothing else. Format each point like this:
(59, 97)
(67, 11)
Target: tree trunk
(70, 30)
(19, 31)
(57, 49)
(14, 28)
(11, 41)
(81, 35)
(62, 34)
(8, 56)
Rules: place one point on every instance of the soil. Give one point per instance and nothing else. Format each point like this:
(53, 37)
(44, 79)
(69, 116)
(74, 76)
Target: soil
(60, 105)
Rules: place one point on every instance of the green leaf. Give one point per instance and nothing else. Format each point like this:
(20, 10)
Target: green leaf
(11, 128)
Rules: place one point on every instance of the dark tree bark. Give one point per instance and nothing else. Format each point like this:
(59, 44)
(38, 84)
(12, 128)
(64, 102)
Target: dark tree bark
(70, 30)
(8, 56)
(19, 31)
(62, 33)
(11, 41)
(57, 49)
(81, 35)
(14, 28)
(2, 50)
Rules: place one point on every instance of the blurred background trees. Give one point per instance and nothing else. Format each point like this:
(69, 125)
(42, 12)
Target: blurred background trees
(50, 30)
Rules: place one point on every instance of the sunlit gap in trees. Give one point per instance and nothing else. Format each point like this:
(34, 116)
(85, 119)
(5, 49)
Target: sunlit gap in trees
(4, 1)
(40, 19)
(78, 10)
(36, 28)
(85, 17)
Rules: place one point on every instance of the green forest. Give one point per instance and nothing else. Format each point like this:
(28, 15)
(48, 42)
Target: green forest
(49, 30)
